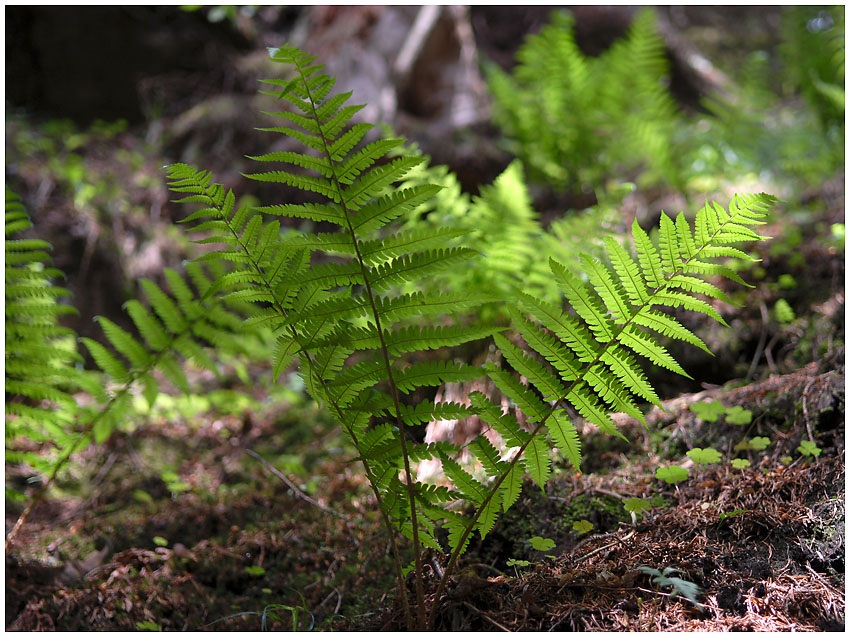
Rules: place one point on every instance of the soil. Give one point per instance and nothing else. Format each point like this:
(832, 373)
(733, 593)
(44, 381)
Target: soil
(225, 545)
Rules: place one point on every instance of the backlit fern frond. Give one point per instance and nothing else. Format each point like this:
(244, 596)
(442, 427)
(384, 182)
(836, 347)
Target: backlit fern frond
(347, 304)
(594, 362)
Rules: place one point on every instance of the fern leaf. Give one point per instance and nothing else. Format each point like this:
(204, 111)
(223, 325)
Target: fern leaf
(612, 392)
(377, 251)
(107, 362)
(434, 374)
(384, 209)
(626, 369)
(415, 338)
(644, 345)
(505, 425)
(650, 261)
(124, 343)
(612, 296)
(427, 411)
(417, 265)
(565, 436)
(150, 329)
(547, 345)
(378, 178)
(518, 393)
(536, 460)
(489, 457)
(628, 272)
(543, 380)
(666, 325)
(580, 297)
(315, 212)
(465, 483)
(513, 487)
(571, 333)
(583, 401)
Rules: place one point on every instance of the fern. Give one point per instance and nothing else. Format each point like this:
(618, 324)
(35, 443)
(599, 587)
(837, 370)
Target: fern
(42, 364)
(41, 356)
(307, 306)
(613, 321)
(576, 120)
(502, 225)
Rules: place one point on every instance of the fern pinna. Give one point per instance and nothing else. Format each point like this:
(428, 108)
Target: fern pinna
(333, 302)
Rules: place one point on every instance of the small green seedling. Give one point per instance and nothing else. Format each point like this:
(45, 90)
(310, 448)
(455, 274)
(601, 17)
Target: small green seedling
(636, 505)
(732, 513)
(740, 463)
(160, 541)
(759, 443)
(783, 312)
(582, 527)
(672, 474)
(786, 280)
(540, 543)
(708, 411)
(522, 563)
(173, 483)
(808, 448)
(704, 455)
(738, 415)
(786, 459)
(142, 496)
(686, 589)
(255, 571)
(148, 625)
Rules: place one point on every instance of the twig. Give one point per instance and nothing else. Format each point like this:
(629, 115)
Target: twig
(762, 340)
(495, 623)
(298, 492)
(806, 410)
(600, 549)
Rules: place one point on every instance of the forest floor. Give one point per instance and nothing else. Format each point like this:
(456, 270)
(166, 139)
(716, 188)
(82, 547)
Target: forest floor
(235, 549)
(220, 513)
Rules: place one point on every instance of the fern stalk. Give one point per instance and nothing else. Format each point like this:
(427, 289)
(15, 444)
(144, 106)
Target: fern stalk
(394, 394)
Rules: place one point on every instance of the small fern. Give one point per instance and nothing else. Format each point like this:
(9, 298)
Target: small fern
(502, 225)
(42, 364)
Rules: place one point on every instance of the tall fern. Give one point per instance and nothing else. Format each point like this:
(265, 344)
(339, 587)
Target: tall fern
(348, 307)
(345, 319)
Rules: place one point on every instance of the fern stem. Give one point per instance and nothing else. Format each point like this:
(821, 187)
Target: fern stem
(394, 393)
